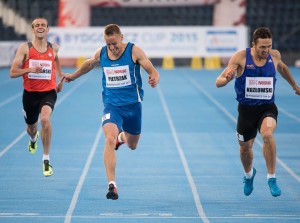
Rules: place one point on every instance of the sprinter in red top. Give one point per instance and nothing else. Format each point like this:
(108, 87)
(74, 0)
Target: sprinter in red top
(37, 62)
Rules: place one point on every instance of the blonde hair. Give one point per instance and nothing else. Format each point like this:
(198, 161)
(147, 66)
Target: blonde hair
(112, 29)
(32, 24)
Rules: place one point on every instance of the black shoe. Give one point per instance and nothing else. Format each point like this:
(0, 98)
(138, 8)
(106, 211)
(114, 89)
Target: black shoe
(112, 192)
(47, 168)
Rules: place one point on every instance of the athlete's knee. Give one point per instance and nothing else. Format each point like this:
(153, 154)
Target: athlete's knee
(245, 150)
(267, 136)
(132, 147)
(32, 129)
(110, 141)
(45, 121)
(132, 141)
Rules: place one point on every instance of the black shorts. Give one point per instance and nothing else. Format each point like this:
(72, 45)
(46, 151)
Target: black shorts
(33, 103)
(251, 117)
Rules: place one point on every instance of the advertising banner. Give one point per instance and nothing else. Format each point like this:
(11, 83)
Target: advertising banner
(157, 42)
(8, 51)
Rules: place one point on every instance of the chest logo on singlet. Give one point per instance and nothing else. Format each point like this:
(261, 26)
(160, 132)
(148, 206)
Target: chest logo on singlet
(259, 88)
(46, 72)
(117, 76)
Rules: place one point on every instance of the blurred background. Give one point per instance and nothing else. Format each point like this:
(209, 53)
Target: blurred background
(204, 32)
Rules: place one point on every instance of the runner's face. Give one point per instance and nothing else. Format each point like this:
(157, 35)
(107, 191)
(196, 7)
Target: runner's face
(263, 47)
(40, 28)
(114, 43)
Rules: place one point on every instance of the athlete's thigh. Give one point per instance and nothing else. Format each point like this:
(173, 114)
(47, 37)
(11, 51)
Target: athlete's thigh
(268, 126)
(132, 123)
(246, 123)
(30, 107)
(268, 121)
(47, 99)
(112, 114)
(46, 112)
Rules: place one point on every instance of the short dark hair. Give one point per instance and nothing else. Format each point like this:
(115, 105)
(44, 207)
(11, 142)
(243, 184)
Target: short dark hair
(32, 24)
(112, 29)
(262, 33)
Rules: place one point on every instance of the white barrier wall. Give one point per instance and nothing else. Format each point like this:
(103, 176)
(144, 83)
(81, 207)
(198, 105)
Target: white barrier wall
(8, 51)
(157, 42)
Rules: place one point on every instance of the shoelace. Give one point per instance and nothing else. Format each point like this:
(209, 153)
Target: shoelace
(247, 181)
(273, 184)
(32, 144)
(47, 166)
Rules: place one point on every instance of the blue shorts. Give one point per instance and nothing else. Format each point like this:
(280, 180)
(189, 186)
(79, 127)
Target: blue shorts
(128, 117)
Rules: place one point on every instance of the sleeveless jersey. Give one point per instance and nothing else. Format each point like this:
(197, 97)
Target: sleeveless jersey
(46, 80)
(256, 86)
(121, 78)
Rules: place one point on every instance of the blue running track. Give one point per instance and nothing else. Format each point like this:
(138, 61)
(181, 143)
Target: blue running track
(186, 168)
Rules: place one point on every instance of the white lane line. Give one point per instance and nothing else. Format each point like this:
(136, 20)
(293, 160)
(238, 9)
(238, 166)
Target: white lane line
(289, 114)
(283, 217)
(87, 165)
(183, 160)
(257, 141)
(14, 142)
(10, 99)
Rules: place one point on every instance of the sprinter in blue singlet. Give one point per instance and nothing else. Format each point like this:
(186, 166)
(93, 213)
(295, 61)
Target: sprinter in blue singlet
(122, 95)
(254, 71)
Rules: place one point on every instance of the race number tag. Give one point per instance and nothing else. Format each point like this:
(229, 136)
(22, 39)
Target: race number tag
(46, 72)
(117, 76)
(259, 88)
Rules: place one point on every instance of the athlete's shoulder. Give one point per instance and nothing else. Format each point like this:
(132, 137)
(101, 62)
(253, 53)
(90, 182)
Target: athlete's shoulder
(53, 46)
(24, 48)
(241, 53)
(239, 57)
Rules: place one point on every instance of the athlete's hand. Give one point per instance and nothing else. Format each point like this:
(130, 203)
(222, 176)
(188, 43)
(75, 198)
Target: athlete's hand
(297, 90)
(59, 86)
(36, 69)
(153, 79)
(68, 78)
(230, 73)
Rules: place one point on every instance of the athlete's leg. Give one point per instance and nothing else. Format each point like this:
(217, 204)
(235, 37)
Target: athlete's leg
(131, 140)
(111, 133)
(32, 130)
(246, 154)
(46, 131)
(269, 147)
(132, 126)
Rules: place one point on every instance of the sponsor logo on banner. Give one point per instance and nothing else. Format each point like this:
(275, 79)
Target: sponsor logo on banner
(222, 41)
(157, 42)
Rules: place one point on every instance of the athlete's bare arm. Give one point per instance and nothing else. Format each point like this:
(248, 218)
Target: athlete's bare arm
(16, 69)
(139, 56)
(87, 66)
(234, 68)
(283, 69)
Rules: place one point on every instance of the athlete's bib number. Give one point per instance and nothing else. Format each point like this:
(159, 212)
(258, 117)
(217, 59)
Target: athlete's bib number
(117, 76)
(46, 72)
(259, 88)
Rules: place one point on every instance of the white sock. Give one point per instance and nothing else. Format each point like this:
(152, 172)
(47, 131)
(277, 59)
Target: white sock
(249, 174)
(46, 157)
(120, 138)
(271, 176)
(112, 182)
(33, 139)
